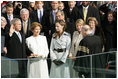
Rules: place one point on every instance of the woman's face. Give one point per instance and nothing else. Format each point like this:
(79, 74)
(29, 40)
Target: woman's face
(36, 31)
(110, 17)
(59, 28)
(78, 27)
(92, 24)
(3, 24)
(61, 6)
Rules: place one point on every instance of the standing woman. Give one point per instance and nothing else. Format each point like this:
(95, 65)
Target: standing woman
(4, 32)
(37, 44)
(110, 31)
(93, 23)
(59, 50)
(77, 37)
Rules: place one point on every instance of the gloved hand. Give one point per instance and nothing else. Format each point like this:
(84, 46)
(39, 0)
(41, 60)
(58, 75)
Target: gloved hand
(60, 62)
(55, 62)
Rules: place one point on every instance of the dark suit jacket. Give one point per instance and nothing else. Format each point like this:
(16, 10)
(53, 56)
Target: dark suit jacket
(72, 15)
(70, 28)
(50, 22)
(92, 12)
(8, 23)
(28, 33)
(34, 18)
(15, 48)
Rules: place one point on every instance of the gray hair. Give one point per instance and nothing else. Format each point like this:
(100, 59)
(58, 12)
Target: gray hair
(86, 29)
(24, 10)
(3, 19)
(62, 12)
(14, 21)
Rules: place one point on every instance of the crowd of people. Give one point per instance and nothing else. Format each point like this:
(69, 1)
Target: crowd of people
(57, 30)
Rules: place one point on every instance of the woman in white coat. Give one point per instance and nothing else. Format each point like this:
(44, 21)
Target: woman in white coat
(37, 44)
(59, 51)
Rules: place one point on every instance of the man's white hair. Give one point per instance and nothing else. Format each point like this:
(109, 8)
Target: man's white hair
(86, 29)
(24, 10)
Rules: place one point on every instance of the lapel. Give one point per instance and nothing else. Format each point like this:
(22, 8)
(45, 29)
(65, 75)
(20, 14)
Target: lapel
(61, 39)
(89, 12)
(16, 37)
(81, 12)
(28, 25)
(22, 36)
(22, 30)
(36, 15)
(51, 17)
(7, 19)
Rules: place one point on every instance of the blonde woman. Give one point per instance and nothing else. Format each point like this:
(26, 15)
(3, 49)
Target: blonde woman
(93, 23)
(77, 37)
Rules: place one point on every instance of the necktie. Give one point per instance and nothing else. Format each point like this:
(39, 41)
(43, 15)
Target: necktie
(54, 15)
(25, 27)
(19, 36)
(40, 16)
(10, 19)
(85, 14)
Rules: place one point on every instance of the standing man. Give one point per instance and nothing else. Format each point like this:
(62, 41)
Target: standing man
(9, 14)
(26, 22)
(69, 11)
(90, 44)
(51, 20)
(39, 15)
(85, 10)
(15, 43)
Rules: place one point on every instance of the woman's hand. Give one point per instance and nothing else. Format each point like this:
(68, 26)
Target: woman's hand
(71, 57)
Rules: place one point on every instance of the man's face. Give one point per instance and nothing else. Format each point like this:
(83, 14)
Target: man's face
(9, 11)
(55, 5)
(59, 16)
(39, 5)
(71, 4)
(18, 25)
(85, 3)
(24, 16)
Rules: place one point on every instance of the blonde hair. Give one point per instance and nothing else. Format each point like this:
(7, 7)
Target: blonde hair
(93, 19)
(4, 20)
(34, 25)
(60, 2)
(80, 21)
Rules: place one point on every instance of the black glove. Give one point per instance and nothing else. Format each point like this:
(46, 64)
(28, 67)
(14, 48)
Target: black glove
(55, 62)
(60, 63)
